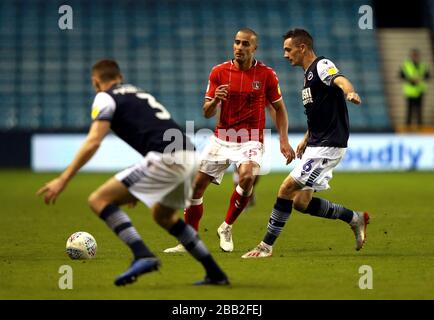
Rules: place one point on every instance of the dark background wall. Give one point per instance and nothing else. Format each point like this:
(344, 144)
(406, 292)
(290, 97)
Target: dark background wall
(15, 149)
(408, 14)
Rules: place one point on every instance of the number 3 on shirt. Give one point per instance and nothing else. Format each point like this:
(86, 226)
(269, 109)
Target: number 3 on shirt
(162, 114)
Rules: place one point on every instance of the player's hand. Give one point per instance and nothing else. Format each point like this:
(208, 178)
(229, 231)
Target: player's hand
(287, 152)
(354, 98)
(51, 190)
(301, 148)
(221, 92)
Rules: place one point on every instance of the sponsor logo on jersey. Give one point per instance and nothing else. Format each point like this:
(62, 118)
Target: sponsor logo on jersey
(256, 85)
(331, 71)
(306, 95)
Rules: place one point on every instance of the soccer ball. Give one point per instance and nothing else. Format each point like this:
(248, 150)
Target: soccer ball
(81, 245)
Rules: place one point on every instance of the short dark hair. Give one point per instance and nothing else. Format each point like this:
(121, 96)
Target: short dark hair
(250, 31)
(107, 70)
(300, 36)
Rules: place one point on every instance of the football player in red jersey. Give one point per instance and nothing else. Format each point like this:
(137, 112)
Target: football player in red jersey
(241, 88)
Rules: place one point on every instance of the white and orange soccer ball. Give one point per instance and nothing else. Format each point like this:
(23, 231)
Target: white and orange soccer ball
(81, 245)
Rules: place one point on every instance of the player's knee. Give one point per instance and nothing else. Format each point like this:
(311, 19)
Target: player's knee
(164, 220)
(300, 204)
(197, 193)
(246, 181)
(160, 220)
(164, 216)
(287, 191)
(199, 189)
(96, 203)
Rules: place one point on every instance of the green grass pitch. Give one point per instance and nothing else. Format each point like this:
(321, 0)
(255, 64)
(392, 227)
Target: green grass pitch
(313, 259)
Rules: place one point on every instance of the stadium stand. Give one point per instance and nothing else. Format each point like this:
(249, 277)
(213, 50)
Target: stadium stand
(168, 49)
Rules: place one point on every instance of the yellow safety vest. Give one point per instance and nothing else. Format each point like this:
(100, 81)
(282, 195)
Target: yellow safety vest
(412, 72)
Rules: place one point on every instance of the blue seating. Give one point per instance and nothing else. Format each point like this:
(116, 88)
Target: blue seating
(168, 48)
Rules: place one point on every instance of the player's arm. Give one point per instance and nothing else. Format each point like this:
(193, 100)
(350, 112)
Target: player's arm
(97, 132)
(302, 145)
(272, 113)
(215, 94)
(210, 105)
(348, 89)
(331, 76)
(282, 128)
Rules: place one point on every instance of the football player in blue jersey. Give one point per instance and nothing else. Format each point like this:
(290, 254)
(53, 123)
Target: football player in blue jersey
(324, 96)
(161, 180)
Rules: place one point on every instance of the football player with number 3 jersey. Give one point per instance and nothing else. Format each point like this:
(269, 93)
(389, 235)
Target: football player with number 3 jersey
(324, 96)
(161, 180)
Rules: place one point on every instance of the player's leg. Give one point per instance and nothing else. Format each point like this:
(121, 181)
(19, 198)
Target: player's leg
(238, 202)
(236, 180)
(112, 191)
(189, 239)
(243, 191)
(324, 208)
(105, 202)
(296, 191)
(252, 201)
(235, 176)
(248, 157)
(318, 207)
(279, 215)
(194, 212)
(318, 180)
(214, 162)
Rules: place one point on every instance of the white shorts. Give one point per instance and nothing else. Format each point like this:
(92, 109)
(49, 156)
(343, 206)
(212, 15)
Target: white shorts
(316, 167)
(161, 178)
(218, 155)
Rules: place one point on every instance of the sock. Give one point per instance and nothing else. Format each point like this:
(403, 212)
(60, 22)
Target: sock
(279, 215)
(323, 208)
(238, 202)
(193, 214)
(189, 238)
(120, 223)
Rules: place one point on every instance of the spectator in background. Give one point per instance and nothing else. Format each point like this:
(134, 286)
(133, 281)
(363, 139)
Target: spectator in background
(414, 73)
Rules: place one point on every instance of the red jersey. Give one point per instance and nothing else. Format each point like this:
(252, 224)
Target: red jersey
(248, 94)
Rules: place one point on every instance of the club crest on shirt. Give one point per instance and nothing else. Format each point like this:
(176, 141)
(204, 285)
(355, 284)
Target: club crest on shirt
(256, 85)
